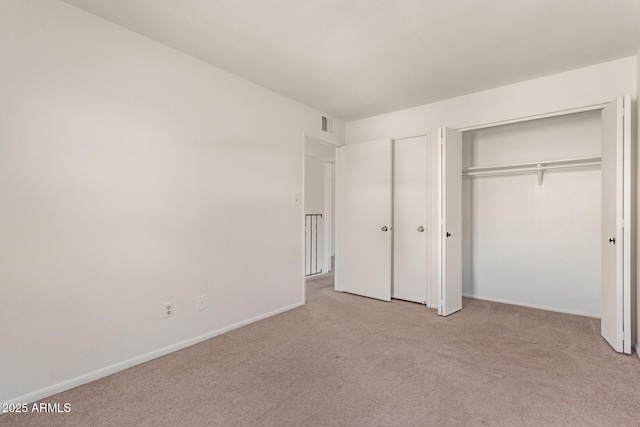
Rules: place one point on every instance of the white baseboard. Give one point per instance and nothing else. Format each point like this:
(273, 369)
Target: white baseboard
(121, 366)
(539, 307)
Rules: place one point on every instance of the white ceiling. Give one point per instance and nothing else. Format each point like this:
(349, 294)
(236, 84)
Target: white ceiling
(358, 58)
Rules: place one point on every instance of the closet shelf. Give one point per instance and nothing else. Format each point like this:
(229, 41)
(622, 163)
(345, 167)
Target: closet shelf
(538, 167)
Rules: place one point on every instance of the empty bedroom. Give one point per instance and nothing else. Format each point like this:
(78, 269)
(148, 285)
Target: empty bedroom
(319, 213)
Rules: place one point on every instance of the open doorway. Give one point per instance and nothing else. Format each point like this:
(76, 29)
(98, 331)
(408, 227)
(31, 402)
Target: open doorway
(319, 212)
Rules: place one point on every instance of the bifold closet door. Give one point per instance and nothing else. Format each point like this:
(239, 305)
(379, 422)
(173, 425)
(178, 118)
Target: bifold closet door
(410, 219)
(450, 211)
(616, 225)
(364, 193)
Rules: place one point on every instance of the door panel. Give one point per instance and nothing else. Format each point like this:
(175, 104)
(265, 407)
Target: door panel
(364, 203)
(410, 219)
(616, 237)
(450, 233)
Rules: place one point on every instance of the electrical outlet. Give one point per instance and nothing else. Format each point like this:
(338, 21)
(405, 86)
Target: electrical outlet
(201, 302)
(168, 310)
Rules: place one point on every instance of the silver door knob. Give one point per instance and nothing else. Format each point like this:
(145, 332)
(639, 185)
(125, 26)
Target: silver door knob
(421, 229)
(385, 228)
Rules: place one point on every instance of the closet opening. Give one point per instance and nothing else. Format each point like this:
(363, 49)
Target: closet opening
(544, 216)
(531, 213)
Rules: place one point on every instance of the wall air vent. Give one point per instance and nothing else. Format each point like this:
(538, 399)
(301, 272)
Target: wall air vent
(327, 125)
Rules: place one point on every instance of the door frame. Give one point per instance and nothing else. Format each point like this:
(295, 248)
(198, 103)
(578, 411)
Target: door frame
(329, 142)
(329, 202)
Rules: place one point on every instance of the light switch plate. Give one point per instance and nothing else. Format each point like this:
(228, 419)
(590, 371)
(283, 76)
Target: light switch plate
(201, 302)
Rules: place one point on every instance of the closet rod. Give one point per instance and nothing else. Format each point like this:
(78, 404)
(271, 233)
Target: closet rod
(536, 168)
(578, 160)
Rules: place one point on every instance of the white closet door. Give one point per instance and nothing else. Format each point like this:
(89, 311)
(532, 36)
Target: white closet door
(410, 219)
(450, 209)
(616, 219)
(364, 221)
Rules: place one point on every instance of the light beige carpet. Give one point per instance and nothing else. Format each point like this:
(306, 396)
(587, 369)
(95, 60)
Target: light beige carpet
(344, 360)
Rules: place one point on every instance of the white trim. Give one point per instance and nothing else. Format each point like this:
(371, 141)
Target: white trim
(321, 140)
(440, 220)
(112, 369)
(337, 285)
(582, 109)
(328, 176)
(429, 220)
(523, 304)
(428, 135)
(303, 221)
(627, 197)
(315, 156)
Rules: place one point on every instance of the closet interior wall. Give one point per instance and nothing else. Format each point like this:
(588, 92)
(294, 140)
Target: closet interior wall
(529, 244)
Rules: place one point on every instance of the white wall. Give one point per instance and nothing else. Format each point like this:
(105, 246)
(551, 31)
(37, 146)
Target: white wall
(314, 204)
(530, 244)
(132, 175)
(585, 86)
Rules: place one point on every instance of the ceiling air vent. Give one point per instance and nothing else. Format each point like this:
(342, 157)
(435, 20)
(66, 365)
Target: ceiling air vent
(327, 124)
